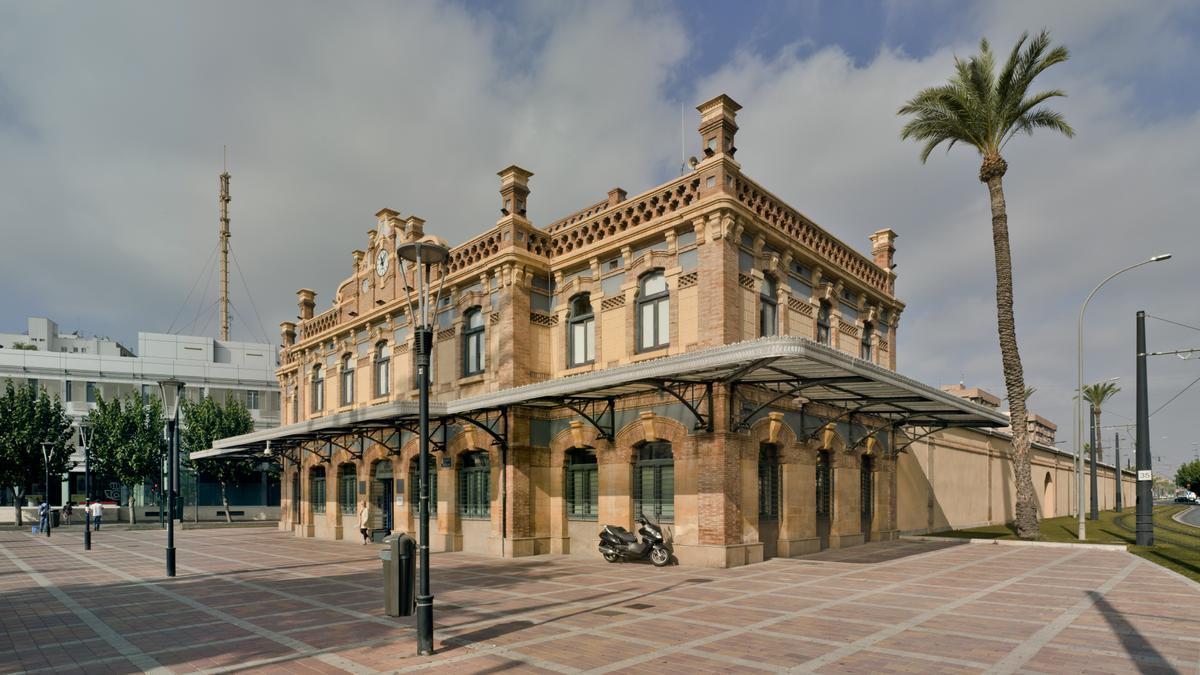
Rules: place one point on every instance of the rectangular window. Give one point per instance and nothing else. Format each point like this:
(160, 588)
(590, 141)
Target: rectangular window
(347, 491)
(252, 400)
(474, 499)
(685, 239)
(689, 260)
(414, 486)
(583, 345)
(145, 394)
(541, 294)
(611, 284)
(33, 383)
(768, 482)
(67, 391)
(91, 391)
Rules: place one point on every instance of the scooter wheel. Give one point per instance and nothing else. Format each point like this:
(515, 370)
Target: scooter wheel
(661, 557)
(611, 557)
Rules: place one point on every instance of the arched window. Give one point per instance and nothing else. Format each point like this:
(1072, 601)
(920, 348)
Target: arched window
(473, 351)
(318, 389)
(347, 488)
(864, 349)
(474, 488)
(414, 485)
(768, 482)
(383, 371)
(654, 312)
(768, 309)
(654, 482)
(316, 489)
(823, 323)
(582, 484)
(581, 331)
(347, 381)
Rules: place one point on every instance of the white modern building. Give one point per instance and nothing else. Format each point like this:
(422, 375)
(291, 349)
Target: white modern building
(80, 369)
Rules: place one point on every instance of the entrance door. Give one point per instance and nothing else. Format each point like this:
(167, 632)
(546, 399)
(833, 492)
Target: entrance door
(296, 498)
(867, 491)
(824, 495)
(385, 496)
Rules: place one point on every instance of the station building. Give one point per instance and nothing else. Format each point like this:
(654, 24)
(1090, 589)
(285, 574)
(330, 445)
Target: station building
(700, 352)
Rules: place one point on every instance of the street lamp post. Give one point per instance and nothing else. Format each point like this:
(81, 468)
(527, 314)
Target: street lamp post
(85, 439)
(1078, 426)
(171, 391)
(49, 512)
(424, 256)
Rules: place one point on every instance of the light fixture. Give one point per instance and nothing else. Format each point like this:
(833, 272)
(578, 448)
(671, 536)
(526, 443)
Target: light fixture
(170, 392)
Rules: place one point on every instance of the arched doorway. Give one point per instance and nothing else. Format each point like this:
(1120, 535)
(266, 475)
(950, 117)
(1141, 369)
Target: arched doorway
(382, 488)
(1048, 497)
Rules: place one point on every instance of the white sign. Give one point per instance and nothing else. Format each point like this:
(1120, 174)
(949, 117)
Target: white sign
(1144, 474)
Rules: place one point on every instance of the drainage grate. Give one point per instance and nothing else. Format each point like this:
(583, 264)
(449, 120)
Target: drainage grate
(639, 605)
(697, 581)
(607, 612)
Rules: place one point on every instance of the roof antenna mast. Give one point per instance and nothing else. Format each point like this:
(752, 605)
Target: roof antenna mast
(224, 201)
(683, 165)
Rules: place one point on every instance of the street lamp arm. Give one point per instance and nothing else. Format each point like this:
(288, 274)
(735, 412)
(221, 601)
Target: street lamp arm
(1078, 426)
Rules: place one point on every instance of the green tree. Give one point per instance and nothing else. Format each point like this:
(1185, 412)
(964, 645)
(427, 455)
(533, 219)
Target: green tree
(24, 346)
(127, 440)
(1188, 476)
(1097, 394)
(28, 418)
(984, 110)
(208, 421)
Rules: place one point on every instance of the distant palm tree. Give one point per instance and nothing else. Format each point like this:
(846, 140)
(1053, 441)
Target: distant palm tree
(983, 109)
(1097, 394)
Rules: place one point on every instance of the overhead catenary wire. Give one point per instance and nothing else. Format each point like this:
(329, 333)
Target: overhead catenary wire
(1175, 323)
(1172, 399)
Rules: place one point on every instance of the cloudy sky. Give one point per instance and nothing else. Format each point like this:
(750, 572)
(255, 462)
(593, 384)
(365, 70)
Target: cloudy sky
(113, 117)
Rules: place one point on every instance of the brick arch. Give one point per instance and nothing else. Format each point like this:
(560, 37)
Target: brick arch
(459, 443)
(630, 435)
(760, 433)
(565, 440)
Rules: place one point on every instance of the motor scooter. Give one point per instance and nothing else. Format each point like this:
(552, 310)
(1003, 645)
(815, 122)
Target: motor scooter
(617, 543)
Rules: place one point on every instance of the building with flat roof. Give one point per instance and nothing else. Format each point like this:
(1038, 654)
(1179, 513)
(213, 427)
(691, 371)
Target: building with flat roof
(78, 369)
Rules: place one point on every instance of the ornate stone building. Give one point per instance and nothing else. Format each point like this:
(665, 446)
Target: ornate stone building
(700, 352)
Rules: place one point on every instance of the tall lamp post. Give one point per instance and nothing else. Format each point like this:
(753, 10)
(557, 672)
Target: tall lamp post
(49, 512)
(423, 256)
(1077, 428)
(171, 391)
(85, 439)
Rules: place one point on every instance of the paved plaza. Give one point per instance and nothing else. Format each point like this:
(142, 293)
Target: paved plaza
(256, 600)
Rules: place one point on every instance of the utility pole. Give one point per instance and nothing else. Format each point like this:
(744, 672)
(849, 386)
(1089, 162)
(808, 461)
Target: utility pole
(224, 200)
(1145, 480)
(1095, 498)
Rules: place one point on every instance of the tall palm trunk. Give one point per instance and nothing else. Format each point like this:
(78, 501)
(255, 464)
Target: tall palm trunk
(1099, 444)
(992, 173)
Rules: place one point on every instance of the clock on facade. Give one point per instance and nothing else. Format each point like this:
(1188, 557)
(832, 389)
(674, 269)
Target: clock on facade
(381, 262)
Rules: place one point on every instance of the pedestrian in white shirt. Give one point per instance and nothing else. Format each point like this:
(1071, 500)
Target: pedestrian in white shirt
(364, 521)
(97, 513)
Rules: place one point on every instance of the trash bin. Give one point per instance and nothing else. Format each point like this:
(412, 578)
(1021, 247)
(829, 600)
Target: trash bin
(399, 556)
(54, 515)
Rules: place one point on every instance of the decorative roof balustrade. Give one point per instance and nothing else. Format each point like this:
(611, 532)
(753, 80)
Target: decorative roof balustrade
(790, 222)
(318, 324)
(625, 215)
(576, 217)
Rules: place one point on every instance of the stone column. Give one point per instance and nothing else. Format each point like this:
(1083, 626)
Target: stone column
(846, 528)
(798, 510)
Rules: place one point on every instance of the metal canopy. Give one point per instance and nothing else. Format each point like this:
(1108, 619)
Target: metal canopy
(782, 367)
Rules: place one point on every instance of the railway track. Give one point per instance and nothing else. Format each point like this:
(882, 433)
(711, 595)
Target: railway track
(1122, 522)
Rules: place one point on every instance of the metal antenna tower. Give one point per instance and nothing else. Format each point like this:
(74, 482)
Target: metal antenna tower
(224, 200)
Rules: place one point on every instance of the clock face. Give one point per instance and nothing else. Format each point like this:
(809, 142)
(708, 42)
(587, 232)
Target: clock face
(382, 259)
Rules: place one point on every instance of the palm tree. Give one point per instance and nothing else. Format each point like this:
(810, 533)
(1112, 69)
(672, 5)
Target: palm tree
(1097, 394)
(985, 110)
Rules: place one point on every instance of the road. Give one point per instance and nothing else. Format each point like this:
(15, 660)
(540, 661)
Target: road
(1191, 516)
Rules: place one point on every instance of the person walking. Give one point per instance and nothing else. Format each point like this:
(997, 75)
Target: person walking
(66, 512)
(97, 512)
(364, 521)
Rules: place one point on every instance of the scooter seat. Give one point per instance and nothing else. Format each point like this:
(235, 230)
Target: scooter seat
(621, 533)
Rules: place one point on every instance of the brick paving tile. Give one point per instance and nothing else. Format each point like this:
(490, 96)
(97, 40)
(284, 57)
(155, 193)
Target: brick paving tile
(983, 626)
(824, 629)
(727, 615)
(490, 664)
(665, 631)
(1004, 610)
(1130, 643)
(875, 662)
(689, 663)
(1054, 660)
(765, 649)
(867, 612)
(581, 651)
(961, 647)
